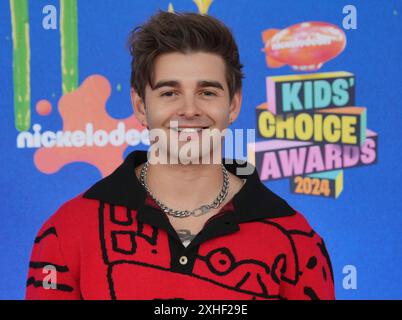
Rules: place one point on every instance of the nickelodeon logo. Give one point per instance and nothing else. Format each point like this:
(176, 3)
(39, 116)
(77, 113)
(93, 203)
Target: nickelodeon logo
(89, 134)
(80, 138)
(304, 46)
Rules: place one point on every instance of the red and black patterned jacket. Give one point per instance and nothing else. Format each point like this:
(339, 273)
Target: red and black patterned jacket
(113, 242)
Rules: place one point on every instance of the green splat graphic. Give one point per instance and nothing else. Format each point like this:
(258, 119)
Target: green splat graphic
(21, 64)
(69, 44)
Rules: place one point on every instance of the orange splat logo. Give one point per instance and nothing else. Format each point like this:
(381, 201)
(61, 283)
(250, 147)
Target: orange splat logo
(89, 134)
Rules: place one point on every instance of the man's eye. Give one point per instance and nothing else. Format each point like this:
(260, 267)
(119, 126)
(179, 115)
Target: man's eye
(209, 93)
(168, 94)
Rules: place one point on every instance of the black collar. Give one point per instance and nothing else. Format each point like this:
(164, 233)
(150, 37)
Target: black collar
(253, 202)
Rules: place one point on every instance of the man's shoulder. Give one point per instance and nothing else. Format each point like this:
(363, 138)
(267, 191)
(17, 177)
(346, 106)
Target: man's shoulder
(298, 229)
(70, 223)
(75, 212)
(296, 221)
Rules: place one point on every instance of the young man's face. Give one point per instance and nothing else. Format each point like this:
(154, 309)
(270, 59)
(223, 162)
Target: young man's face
(190, 89)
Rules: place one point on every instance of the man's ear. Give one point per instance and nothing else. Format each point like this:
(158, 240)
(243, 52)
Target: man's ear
(235, 106)
(139, 107)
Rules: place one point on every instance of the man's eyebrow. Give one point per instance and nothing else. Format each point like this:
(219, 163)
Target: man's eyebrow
(176, 84)
(166, 83)
(209, 83)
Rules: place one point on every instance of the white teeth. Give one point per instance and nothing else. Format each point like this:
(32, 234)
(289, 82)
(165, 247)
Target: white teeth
(187, 130)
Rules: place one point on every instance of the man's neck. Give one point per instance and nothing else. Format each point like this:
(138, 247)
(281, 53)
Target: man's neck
(184, 186)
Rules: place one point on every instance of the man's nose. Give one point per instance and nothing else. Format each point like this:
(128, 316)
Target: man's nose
(189, 108)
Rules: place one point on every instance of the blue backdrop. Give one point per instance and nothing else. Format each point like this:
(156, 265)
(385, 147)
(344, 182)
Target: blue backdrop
(361, 227)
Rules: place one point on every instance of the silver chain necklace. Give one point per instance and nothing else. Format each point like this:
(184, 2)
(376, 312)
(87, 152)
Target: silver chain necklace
(185, 213)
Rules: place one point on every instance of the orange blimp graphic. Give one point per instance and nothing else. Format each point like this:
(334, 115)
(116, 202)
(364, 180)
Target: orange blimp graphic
(304, 46)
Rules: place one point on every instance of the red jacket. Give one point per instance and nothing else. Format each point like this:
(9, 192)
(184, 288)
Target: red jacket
(113, 242)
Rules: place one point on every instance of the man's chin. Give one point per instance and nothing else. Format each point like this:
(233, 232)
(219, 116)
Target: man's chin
(182, 157)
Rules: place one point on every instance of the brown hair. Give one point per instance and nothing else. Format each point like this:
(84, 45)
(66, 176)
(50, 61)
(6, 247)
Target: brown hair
(181, 32)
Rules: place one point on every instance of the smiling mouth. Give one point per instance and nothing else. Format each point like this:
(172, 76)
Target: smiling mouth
(189, 130)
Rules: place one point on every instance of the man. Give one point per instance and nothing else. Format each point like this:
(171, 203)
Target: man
(166, 225)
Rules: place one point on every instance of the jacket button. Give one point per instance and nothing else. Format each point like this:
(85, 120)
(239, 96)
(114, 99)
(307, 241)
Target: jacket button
(183, 260)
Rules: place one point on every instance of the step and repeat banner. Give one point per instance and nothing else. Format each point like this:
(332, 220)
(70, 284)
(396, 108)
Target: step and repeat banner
(322, 91)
